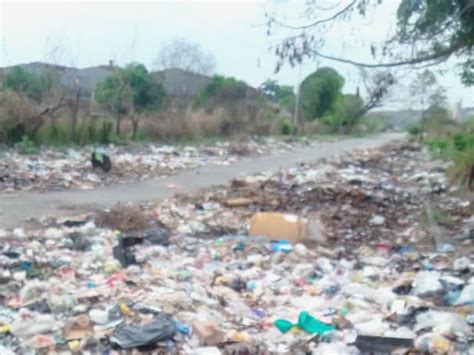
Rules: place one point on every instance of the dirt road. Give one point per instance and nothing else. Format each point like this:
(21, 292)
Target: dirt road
(16, 208)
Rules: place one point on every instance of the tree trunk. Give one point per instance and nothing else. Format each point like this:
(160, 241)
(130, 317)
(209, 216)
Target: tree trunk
(117, 123)
(135, 122)
(75, 109)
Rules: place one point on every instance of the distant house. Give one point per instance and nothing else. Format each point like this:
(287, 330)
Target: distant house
(69, 77)
(181, 83)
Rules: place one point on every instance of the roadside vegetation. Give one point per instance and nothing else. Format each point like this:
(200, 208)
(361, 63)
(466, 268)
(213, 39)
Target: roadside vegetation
(446, 137)
(131, 104)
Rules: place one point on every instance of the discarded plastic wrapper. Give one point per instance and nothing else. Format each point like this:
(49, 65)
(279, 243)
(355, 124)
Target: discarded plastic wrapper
(131, 336)
(281, 226)
(305, 322)
(385, 345)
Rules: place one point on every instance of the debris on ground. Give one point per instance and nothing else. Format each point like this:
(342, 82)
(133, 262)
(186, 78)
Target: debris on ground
(189, 279)
(78, 168)
(101, 160)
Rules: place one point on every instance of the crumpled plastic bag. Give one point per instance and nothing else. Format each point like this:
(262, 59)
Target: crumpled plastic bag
(305, 322)
(442, 323)
(132, 336)
(426, 281)
(466, 297)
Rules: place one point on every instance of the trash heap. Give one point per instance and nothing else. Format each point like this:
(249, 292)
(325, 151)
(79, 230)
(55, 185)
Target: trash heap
(53, 169)
(211, 273)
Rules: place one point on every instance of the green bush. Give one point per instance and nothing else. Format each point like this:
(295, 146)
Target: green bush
(415, 129)
(26, 146)
(332, 121)
(437, 145)
(88, 132)
(463, 163)
(370, 124)
(23, 82)
(286, 127)
(436, 121)
(459, 148)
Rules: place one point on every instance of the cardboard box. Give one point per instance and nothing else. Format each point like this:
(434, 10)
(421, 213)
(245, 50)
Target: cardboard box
(278, 226)
(283, 226)
(207, 332)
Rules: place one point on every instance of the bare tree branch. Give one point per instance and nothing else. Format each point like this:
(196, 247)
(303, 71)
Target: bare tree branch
(442, 55)
(316, 23)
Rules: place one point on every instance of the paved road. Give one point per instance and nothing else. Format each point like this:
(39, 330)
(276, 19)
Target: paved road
(16, 208)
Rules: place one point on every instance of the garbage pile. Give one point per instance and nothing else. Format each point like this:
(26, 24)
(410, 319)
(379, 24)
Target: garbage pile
(212, 273)
(54, 169)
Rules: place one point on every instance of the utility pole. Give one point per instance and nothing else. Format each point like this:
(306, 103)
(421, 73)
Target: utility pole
(297, 102)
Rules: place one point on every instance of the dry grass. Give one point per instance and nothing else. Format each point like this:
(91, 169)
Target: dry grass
(174, 123)
(15, 110)
(123, 218)
(238, 120)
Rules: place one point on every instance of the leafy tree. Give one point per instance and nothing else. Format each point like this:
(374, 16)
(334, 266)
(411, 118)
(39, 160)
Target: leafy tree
(221, 90)
(424, 89)
(286, 97)
(281, 94)
(346, 112)
(320, 91)
(349, 110)
(147, 92)
(269, 89)
(183, 54)
(428, 32)
(129, 91)
(21, 81)
(115, 94)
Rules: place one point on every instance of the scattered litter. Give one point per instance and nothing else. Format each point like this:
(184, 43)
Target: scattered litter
(131, 336)
(183, 275)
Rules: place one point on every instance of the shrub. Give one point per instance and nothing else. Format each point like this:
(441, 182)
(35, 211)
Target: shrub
(459, 149)
(26, 146)
(415, 129)
(349, 110)
(463, 165)
(17, 117)
(437, 145)
(368, 124)
(436, 121)
(286, 127)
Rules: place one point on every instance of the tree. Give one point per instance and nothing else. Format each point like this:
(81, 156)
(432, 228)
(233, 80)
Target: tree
(319, 92)
(41, 93)
(281, 94)
(428, 32)
(131, 90)
(377, 86)
(430, 96)
(350, 110)
(183, 54)
(23, 82)
(221, 90)
(421, 87)
(115, 94)
(269, 89)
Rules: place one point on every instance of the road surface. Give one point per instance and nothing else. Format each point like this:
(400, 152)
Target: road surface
(17, 208)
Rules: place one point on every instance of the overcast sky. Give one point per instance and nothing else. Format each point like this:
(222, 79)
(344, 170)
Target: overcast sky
(89, 33)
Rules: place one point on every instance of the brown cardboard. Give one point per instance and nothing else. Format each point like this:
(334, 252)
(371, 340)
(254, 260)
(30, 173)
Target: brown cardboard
(207, 332)
(279, 226)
